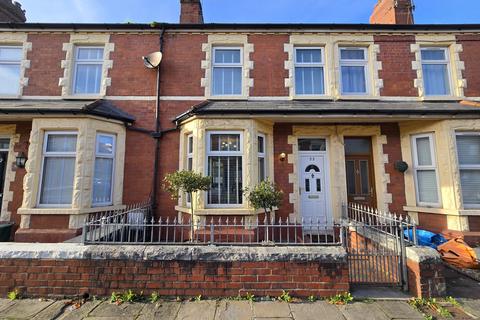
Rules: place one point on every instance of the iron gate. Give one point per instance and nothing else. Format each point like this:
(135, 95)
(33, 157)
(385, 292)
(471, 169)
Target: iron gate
(376, 246)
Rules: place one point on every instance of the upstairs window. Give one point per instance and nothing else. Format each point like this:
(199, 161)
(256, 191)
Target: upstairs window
(225, 157)
(262, 164)
(436, 73)
(309, 71)
(468, 151)
(10, 66)
(88, 70)
(59, 154)
(227, 71)
(104, 168)
(354, 71)
(425, 170)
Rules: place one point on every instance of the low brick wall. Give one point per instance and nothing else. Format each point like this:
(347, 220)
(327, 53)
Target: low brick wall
(72, 269)
(426, 272)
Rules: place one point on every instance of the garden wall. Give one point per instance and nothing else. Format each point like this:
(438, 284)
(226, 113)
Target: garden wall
(73, 269)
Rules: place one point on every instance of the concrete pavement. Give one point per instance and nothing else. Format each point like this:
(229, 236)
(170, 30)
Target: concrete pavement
(208, 310)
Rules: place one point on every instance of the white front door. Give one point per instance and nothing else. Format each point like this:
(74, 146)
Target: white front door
(313, 187)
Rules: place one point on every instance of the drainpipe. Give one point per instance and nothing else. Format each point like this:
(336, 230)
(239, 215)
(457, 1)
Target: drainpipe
(157, 135)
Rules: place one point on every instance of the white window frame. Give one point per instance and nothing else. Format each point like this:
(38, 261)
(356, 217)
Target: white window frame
(355, 63)
(263, 155)
(77, 62)
(466, 167)
(14, 62)
(189, 157)
(321, 64)
(227, 65)
(105, 156)
(446, 62)
(433, 167)
(46, 154)
(239, 153)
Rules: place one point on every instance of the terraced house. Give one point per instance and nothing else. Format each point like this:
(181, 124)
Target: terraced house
(384, 114)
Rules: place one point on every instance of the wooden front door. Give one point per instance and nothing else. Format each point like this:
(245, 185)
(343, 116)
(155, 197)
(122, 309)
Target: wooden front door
(359, 171)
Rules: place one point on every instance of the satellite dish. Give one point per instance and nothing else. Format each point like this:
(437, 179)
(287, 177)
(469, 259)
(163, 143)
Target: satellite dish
(153, 60)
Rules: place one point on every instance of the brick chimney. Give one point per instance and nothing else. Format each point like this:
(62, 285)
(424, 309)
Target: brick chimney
(393, 12)
(11, 11)
(191, 11)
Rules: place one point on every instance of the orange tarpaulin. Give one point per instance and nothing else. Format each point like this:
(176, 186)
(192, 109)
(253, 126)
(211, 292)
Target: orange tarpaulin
(459, 254)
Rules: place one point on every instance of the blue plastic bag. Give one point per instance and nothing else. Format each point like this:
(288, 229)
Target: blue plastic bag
(426, 238)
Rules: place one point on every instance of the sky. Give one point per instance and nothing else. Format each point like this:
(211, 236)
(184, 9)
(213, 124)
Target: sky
(237, 11)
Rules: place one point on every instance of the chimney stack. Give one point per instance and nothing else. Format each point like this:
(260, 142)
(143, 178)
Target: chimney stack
(191, 12)
(11, 11)
(393, 12)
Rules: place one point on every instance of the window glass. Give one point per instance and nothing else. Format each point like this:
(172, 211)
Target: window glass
(353, 70)
(427, 186)
(262, 169)
(58, 169)
(436, 76)
(308, 55)
(425, 170)
(357, 146)
(227, 71)
(364, 178)
(88, 70)
(312, 145)
(309, 72)
(104, 168)
(352, 54)
(468, 150)
(225, 167)
(424, 154)
(351, 177)
(10, 68)
(4, 144)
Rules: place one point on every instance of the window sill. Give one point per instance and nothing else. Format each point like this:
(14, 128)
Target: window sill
(220, 211)
(441, 98)
(67, 211)
(313, 97)
(431, 210)
(12, 97)
(227, 97)
(83, 97)
(359, 97)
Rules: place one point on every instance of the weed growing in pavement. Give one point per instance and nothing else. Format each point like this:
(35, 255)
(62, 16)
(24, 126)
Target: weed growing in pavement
(341, 299)
(13, 295)
(198, 298)
(129, 296)
(285, 296)
(431, 303)
(154, 297)
(312, 299)
(452, 301)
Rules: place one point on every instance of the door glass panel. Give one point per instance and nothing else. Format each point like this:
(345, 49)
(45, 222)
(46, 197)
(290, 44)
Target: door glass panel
(351, 177)
(307, 185)
(319, 186)
(4, 144)
(365, 188)
(312, 145)
(357, 146)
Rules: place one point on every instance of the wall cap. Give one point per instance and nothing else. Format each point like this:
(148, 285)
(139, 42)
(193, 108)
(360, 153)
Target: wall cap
(67, 251)
(423, 254)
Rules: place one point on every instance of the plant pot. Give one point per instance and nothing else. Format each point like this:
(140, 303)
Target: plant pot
(5, 231)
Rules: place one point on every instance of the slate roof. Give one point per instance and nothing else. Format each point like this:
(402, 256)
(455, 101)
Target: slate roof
(340, 108)
(101, 108)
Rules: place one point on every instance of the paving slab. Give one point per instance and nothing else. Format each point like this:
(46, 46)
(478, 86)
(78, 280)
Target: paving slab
(80, 313)
(123, 311)
(399, 310)
(234, 310)
(315, 311)
(160, 310)
(53, 311)
(199, 310)
(25, 309)
(381, 293)
(5, 304)
(271, 309)
(363, 311)
(471, 306)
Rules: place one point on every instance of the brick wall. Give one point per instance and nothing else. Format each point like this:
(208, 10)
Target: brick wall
(172, 275)
(426, 279)
(397, 73)
(281, 131)
(471, 47)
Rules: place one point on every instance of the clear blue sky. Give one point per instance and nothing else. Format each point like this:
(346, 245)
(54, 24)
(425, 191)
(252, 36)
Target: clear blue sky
(308, 11)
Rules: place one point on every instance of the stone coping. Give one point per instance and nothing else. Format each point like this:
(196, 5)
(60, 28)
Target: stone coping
(423, 255)
(73, 251)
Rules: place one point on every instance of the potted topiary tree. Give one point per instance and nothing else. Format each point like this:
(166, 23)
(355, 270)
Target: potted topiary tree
(265, 196)
(187, 182)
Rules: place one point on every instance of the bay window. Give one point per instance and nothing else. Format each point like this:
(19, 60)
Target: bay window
(227, 71)
(354, 71)
(425, 170)
(104, 168)
(58, 169)
(10, 69)
(189, 161)
(225, 166)
(436, 74)
(468, 151)
(309, 71)
(88, 69)
(262, 164)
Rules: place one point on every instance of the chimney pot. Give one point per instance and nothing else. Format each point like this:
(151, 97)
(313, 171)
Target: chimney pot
(393, 12)
(191, 12)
